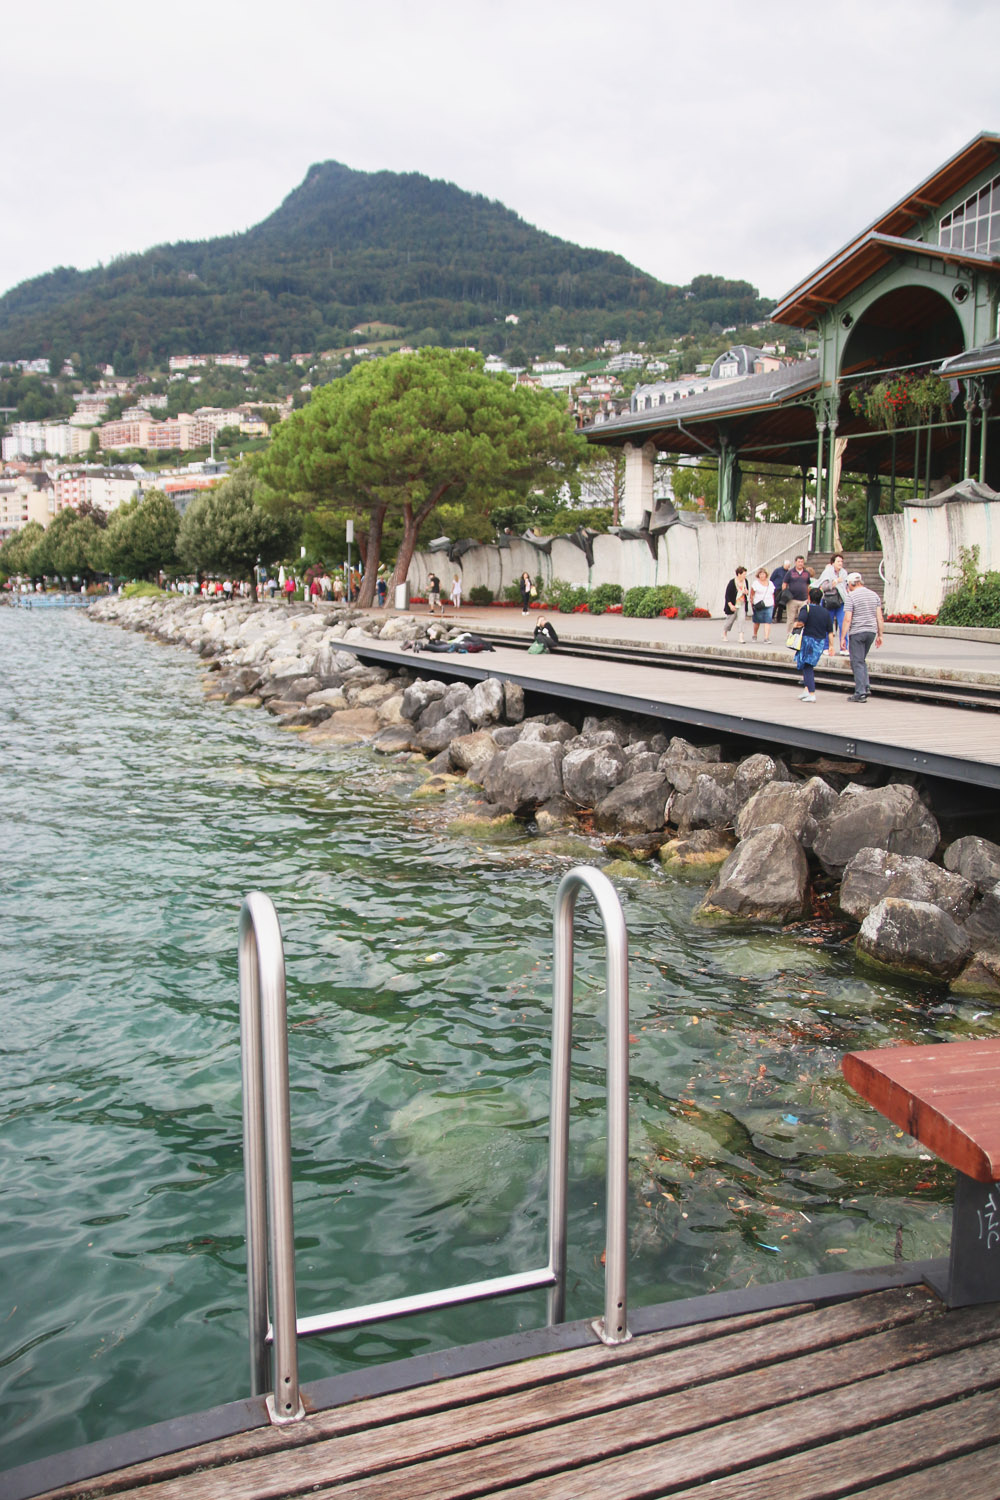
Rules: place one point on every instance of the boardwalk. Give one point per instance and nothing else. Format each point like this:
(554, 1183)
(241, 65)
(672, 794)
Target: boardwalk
(936, 740)
(883, 1395)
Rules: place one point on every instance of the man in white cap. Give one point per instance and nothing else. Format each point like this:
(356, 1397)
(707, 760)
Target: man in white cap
(863, 623)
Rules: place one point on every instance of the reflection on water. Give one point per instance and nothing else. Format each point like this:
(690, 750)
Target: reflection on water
(135, 817)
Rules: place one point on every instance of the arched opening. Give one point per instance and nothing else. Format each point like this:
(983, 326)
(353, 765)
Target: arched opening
(908, 326)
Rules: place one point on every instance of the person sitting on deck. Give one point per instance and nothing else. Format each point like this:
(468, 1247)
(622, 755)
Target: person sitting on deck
(544, 638)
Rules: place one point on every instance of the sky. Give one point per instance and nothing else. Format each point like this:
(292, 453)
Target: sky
(748, 140)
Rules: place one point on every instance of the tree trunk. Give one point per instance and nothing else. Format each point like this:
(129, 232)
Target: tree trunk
(371, 554)
(411, 529)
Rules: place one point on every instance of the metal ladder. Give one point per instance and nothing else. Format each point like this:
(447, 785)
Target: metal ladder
(268, 1158)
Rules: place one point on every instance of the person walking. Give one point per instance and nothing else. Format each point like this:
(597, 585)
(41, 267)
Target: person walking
(818, 635)
(762, 603)
(434, 605)
(735, 602)
(797, 581)
(863, 624)
(456, 591)
(833, 582)
(778, 579)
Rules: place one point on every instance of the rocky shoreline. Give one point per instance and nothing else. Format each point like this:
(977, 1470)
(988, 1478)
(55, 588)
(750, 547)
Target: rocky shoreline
(785, 840)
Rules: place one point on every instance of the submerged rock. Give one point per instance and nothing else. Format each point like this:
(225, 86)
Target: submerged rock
(875, 873)
(765, 879)
(913, 937)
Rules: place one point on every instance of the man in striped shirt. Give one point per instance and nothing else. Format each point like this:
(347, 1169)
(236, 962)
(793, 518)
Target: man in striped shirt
(862, 625)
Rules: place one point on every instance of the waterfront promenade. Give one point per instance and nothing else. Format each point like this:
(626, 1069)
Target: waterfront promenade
(934, 739)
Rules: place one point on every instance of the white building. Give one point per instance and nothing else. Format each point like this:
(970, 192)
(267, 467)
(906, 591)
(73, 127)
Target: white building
(29, 439)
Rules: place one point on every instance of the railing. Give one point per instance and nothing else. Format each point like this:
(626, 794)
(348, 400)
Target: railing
(268, 1165)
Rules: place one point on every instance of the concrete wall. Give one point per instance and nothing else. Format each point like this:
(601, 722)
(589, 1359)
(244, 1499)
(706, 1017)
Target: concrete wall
(699, 559)
(921, 549)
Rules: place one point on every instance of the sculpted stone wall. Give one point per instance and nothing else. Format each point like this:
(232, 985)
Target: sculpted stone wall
(918, 544)
(699, 558)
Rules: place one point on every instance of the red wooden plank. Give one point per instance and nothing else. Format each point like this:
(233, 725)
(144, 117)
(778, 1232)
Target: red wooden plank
(947, 1097)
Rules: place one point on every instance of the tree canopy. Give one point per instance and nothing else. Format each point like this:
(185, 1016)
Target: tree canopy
(405, 435)
(141, 537)
(227, 530)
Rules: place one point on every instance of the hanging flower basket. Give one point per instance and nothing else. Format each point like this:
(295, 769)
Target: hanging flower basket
(902, 400)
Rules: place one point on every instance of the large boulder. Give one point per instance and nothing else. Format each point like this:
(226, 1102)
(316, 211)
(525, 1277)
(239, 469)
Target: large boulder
(798, 806)
(590, 772)
(983, 926)
(485, 703)
(525, 776)
(875, 873)
(889, 817)
(765, 879)
(433, 738)
(981, 976)
(473, 749)
(976, 859)
(418, 695)
(547, 730)
(635, 806)
(703, 849)
(513, 702)
(756, 771)
(913, 937)
(349, 726)
(711, 802)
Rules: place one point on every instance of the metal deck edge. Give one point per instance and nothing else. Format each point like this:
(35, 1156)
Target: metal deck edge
(78, 1465)
(878, 752)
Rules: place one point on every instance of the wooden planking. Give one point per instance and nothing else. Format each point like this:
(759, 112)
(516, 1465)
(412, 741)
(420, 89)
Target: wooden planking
(546, 1428)
(947, 1097)
(882, 1310)
(545, 1465)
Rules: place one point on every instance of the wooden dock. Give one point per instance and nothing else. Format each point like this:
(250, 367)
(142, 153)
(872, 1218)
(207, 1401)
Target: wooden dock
(882, 1395)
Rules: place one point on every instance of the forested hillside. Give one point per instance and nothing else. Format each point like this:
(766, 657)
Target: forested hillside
(346, 248)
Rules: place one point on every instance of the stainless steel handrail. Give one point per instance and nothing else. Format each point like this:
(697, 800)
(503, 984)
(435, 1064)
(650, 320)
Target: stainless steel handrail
(267, 1149)
(267, 1154)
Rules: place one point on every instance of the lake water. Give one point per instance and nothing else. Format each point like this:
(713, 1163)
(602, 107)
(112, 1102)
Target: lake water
(135, 816)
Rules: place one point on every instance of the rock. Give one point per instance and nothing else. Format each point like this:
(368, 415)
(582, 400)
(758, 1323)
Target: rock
(983, 926)
(680, 749)
(299, 690)
(797, 806)
(373, 696)
(976, 859)
(890, 817)
(647, 760)
(703, 849)
(627, 869)
(418, 695)
(327, 697)
(606, 724)
(513, 702)
(399, 628)
(440, 764)
(390, 709)
(348, 726)
(591, 772)
(435, 737)
(547, 731)
(875, 873)
(393, 739)
(525, 776)
(457, 696)
(711, 801)
(507, 735)
(765, 879)
(981, 976)
(635, 846)
(472, 749)
(435, 786)
(912, 937)
(558, 812)
(756, 771)
(432, 714)
(635, 806)
(240, 683)
(486, 702)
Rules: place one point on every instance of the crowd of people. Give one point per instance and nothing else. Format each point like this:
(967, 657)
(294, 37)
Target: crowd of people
(833, 613)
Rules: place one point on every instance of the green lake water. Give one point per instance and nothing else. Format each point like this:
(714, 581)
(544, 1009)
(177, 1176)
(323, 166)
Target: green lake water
(135, 817)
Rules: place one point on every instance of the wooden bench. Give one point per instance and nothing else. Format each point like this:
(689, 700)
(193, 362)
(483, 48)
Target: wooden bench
(948, 1098)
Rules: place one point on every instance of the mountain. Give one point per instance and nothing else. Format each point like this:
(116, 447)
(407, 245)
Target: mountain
(346, 248)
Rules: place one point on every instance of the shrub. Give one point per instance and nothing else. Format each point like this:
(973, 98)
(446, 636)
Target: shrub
(142, 591)
(602, 598)
(647, 603)
(480, 594)
(563, 596)
(512, 593)
(978, 604)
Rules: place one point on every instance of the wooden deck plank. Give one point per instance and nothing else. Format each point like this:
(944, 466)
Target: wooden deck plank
(947, 1097)
(974, 1476)
(542, 1431)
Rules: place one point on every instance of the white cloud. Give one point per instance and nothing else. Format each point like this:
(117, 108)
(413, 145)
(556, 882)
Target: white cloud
(750, 141)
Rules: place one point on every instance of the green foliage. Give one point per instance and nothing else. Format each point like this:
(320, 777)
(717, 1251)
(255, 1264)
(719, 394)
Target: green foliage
(226, 529)
(594, 518)
(18, 548)
(902, 400)
(141, 537)
(646, 603)
(564, 596)
(512, 593)
(975, 601)
(143, 590)
(480, 594)
(348, 247)
(601, 598)
(71, 547)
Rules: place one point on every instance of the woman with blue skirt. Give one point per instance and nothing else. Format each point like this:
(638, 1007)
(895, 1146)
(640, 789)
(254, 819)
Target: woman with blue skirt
(817, 637)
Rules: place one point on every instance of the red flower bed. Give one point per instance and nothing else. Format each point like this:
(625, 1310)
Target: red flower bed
(701, 614)
(911, 619)
(670, 613)
(613, 609)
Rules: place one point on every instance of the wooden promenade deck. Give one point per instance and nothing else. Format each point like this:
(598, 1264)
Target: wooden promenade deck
(957, 743)
(883, 1395)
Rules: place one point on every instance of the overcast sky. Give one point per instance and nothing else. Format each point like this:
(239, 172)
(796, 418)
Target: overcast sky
(744, 139)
